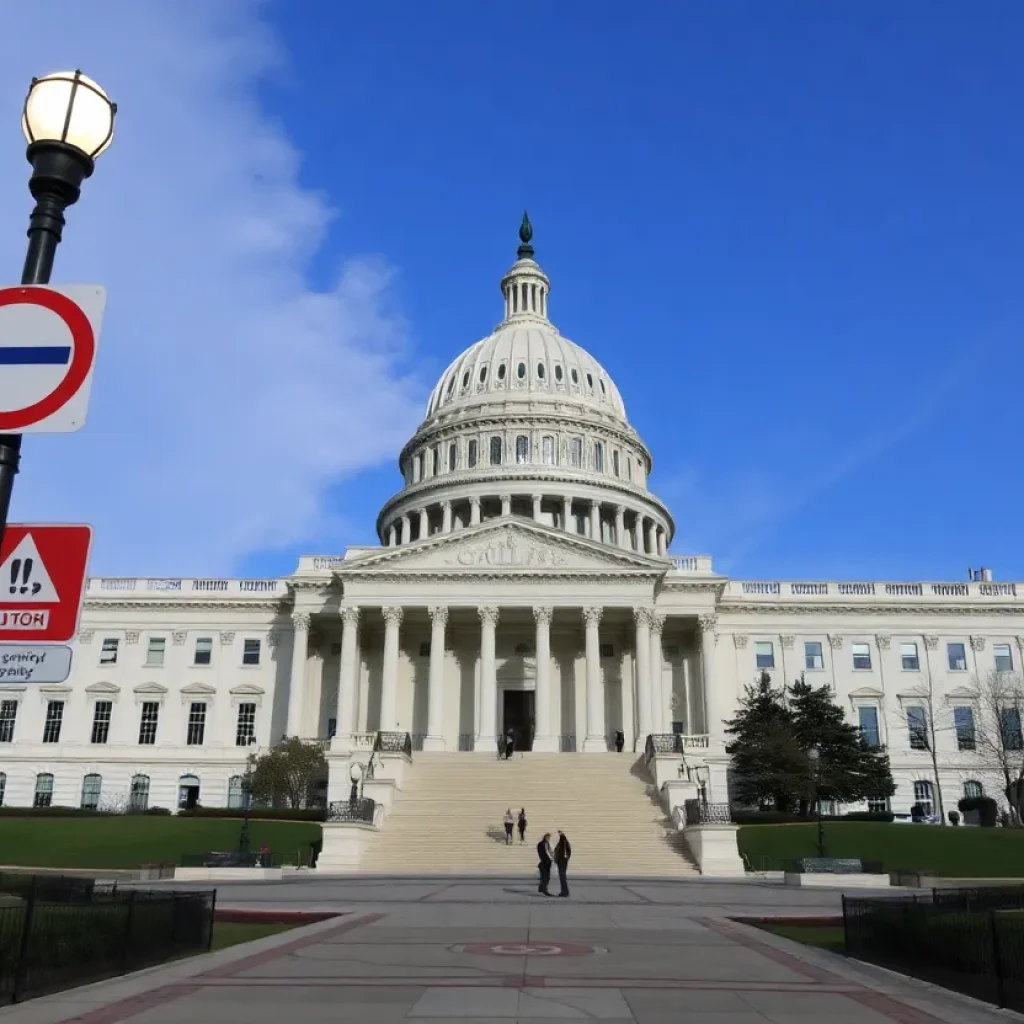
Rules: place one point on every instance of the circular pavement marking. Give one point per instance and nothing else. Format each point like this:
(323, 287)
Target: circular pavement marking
(527, 949)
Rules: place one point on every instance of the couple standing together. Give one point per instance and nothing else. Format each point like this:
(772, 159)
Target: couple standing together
(561, 855)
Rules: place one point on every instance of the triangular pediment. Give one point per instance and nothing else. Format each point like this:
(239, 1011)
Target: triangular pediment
(247, 690)
(153, 689)
(961, 693)
(199, 689)
(102, 688)
(514, 546)
(866, 692)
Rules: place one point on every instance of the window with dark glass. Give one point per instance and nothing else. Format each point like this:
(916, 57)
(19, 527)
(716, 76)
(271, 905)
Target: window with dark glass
(923, 795)
(764, 654)
(867, 718)
(917, 728)
(453, 457)
(861, 656)
(204, 651)
(540, 371)
(908, 657)
(558, 372)
(108, 651)
(148, 722)
(501, 371)
(471, 454)
(598, 457)
(1009, 726)
(956, 657)
(813, 658)
(138, 794)
(963, 723)
(3, 787)
(196, 724)
(250, 651)
(495, 451)
(92, 785)
(973, 789)
(43, 796)
(483, 374)
(155, 650)
(1004, 657)
(576, 452)
(54, 721)
(101, 720)
(8, 716)
(245, 733)
(521, 371)
(878, 804)
(522, 449)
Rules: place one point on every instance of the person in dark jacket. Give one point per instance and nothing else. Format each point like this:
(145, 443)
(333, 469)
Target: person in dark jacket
(563, 851)
(544, 863)
(521, 822)
(620, 741)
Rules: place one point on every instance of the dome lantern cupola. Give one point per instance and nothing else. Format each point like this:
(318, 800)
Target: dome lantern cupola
(525, 287)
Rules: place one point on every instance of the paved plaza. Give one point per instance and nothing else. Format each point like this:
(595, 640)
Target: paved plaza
(494, 950)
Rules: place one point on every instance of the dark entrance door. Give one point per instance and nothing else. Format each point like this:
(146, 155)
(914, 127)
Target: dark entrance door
(518, 715)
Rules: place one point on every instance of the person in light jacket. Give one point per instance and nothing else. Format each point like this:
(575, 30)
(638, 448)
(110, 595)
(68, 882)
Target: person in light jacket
(509, 824)
(544, 863)
(563, 851)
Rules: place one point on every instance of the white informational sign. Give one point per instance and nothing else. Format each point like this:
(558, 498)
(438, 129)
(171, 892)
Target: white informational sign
(48, 342)
(42, 664)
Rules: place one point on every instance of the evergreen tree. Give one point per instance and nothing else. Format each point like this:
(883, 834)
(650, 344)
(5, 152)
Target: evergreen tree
(769, 768)
(847, 770)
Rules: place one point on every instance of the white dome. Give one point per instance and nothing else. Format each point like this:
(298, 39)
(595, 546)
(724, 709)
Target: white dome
(526, 358)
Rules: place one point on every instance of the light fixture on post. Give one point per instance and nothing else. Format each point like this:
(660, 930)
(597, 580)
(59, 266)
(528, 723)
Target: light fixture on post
(355, 773)
(68, 121)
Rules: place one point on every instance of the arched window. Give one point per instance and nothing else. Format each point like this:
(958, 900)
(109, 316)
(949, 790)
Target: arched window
(521, 371)
(540, 371)
(495, 451)
(44, 790)
(3, 787)
(483, 373)
(236, 792)
(188, 792)
(598, 457)
(522, 449)
(576, 452)
(138, 795)
(91, 786)
(548, 451)
(558, 372)
(453, 457)
(615, 462)
(973, 788)
(923, 795)
(471, 453)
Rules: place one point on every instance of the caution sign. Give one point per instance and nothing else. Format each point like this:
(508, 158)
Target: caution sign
(42, 580)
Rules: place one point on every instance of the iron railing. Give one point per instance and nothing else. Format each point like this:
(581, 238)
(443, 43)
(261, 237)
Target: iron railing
(979, 952)
(232, 859)
(48, 945)
(700, 812)
(394, 743)
(364, 809)
(663, 743)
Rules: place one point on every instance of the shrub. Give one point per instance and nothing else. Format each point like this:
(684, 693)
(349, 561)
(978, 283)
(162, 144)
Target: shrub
(987, 808)
(156, 810)
(749, 817)
(51, 812)
(954, 817)
(259, 813)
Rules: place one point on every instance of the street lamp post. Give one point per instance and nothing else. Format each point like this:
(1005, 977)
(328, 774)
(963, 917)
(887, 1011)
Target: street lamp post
(815, 756)
(243, 838)
(68, 121)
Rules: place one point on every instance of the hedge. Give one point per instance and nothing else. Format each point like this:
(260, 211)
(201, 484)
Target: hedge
(749, 817)
(259, 813)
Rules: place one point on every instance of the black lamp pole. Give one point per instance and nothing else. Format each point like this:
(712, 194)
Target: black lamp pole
(243, 838)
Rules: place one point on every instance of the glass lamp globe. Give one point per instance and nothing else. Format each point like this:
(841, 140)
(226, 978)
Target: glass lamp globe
(70, 108)
(355, 771)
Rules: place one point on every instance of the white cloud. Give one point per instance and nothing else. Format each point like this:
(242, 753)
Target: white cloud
(229, 394)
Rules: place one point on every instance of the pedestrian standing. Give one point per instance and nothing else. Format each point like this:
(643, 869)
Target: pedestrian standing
(544, 863)
(509, 823)
(522, 824)
(563, 851)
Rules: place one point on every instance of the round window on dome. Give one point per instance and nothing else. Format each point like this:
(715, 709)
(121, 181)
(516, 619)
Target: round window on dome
(465, 379)
(558, 372)
(575, 376)
(501, 372)
(540, 371)
(590, 381)
(521, 371)
(483, 374)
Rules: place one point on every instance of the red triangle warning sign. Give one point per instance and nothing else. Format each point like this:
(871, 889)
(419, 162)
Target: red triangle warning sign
(23, 576)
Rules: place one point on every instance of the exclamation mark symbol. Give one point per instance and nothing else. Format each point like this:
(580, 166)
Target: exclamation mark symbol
(15, 569)
(26, 575)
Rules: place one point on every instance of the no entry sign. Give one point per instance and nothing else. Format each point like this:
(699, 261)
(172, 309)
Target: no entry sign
(48, 340)
(42, 578)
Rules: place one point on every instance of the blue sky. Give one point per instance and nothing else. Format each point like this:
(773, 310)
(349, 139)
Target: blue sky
(790, 231)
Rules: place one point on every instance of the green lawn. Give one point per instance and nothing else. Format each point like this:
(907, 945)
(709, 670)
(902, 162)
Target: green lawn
(231, 934)
(126, 841)
(931, 849)
(828, 937)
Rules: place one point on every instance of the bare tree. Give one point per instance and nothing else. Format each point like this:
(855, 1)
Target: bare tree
(938, 717)
(114, 803)
(998, 734)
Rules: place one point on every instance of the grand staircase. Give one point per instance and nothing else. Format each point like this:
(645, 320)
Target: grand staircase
(448, 817)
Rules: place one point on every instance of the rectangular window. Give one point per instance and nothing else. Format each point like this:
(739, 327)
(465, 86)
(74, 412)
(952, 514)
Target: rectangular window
(867, 717)
(108, 652)
(598, 457)
(245, 734)
(204, 651)
(92, 786)
(861, 656)
(101, 721)
(332, 728)
(44, 791)
(495, 451)
(576, 452)
(908, 656)
(1009, 721)
(471, 454)
(607, 650)
(956, 657)
(878, 804)
(963, 722)
(917, 727)
(764, 653)
(155, 650)
(196, 724)
(8, 716)
(812, 655)
(54, 720)
(148, 723)
(547, 446)
(1004, 658)
(251, 652)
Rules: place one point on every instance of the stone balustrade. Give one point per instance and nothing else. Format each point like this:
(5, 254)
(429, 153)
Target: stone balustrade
(828, 591)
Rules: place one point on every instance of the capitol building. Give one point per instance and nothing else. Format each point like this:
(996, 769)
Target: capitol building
(524, 578)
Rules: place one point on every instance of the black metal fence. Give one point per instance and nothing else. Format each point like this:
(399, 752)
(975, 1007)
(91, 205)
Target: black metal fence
(394, 743)
(47, 945)
(700, 812)
(363, 809)
(662, 743)
(232, 859)
(968, 940)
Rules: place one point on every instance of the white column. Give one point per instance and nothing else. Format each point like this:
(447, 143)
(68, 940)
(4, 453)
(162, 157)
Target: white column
(406, 529)
(652, 537)
(392, 535)
(345, 714)
(620, 526)
(446, 514)
(297, 684)
(542, 738)
(435, 681)
(596, 739)
(716, 707)
(567, 522)
(424, 523)
(663, 542)
(536, 507)
(488, 736)
(389, 680)
(595, 520)
(506, 505)
(659, 700)
(645, 724)
(474, 511)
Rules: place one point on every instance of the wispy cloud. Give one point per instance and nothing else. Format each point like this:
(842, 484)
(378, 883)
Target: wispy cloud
(230, 395)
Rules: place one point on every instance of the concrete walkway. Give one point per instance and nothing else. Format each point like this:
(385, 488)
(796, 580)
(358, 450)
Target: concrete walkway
(422, 950)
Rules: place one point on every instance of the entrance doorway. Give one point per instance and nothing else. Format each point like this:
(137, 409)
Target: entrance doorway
(188, 793)
(517, 714)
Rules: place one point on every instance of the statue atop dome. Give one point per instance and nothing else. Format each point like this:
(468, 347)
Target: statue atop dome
(525, 251)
